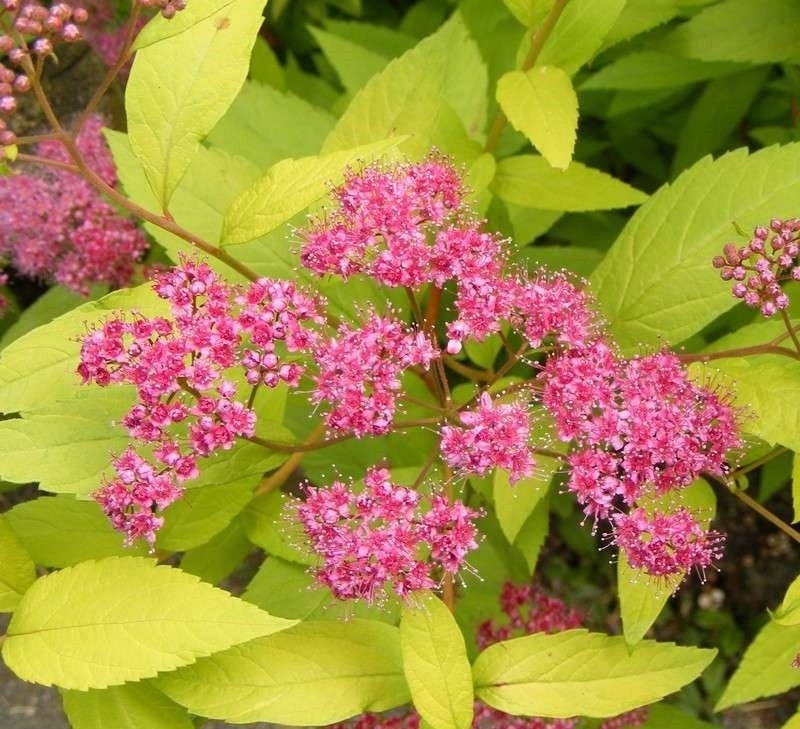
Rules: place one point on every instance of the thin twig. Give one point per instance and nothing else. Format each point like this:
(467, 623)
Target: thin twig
(278, 478)
(790, 329)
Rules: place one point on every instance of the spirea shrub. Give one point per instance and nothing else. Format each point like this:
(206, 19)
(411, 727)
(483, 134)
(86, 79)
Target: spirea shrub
(306, 455)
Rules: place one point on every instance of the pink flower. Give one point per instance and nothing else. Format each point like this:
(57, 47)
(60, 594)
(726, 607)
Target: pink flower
(666, 544)
(493, 436)
(358, 372)
(374, 541)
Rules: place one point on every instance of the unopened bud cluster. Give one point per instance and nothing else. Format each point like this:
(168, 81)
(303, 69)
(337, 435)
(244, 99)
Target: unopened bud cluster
(168, 8)
(759, 268)
(32, 28)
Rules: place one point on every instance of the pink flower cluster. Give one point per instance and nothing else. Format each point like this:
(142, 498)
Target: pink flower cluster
(492, 436)
(410, 225)
(187, 407)
(382, 539)
(54, 226)
(666, 544)
(758, 268)
(31, 27)
(359, 370)
(640, 427)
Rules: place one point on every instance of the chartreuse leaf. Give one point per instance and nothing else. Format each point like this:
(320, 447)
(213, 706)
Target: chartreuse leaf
(433, 92)
(39, 367)
(17, 571)
(288, 188)
(160, 27)
(132, 706)
(435, 664)
(793, 722)
(60, 531)
(66, 447)
(354, 64)
(656, 283)
(315, 673)
(542, 104)
(530, 181)
(766, 667)
(796, 487)
(734, 31)
(579, 33)
(638, 16)
(578, 672)
(120, 619)
(171, 106)
(267, 525)
(642, 597)
(265, 125)
(217, 558)
(788, 612)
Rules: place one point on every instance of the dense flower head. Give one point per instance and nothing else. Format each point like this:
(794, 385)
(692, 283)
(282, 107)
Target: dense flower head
(758, 268)
(383, 538)
(666, 544)
(491, 436)
(183, 368)
(359, 369)
(636, 423)
(54, 226)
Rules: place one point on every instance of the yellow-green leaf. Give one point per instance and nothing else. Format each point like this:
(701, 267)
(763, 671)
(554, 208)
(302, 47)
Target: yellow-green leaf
(542, 104)
(435, 664)
(121, 619)
(160, 27)
(288, 188)
(132, 706)
(17, 571)
(316, 673)
(172, 105)
(530, 181)
(578, 672)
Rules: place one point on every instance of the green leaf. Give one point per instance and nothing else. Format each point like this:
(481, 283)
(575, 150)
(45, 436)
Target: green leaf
(17, 571)
(265, 68)
(530, 181)
(315, 673)
(60, 531)
(645, 70)
(379, 39)
(664, 716)
(578, 672)
(121, 619)
(579, 33)
(657, 284)
(132, 706)
(715, 115)
(788, 612)
(639, 16)
(267, 525)
(766, 667)
(285, 589)
(433, 92)
(735, 30)
(542, 104)
(354, 64)
(265, 125)
(172, 106)
(216, 559)
(533, 533)
(202, 513)
(288, 188)
(642, 597)
(435, 664)
(39, 367)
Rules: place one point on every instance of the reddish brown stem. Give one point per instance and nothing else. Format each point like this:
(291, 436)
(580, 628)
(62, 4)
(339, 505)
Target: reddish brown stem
(739, 352)
(278, 478)
(44, 161)
(790, 329)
